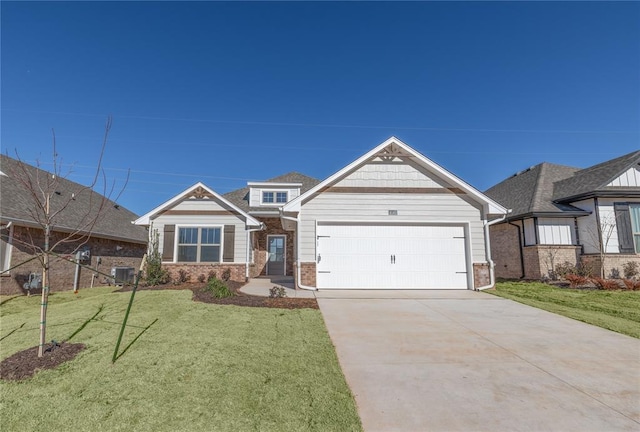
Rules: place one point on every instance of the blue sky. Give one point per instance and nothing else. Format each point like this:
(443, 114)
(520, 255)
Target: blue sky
(227, 93)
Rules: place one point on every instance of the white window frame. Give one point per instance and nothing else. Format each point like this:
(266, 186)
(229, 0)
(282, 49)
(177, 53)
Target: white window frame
(274, 194)
(6, 259)
(199, 244)
(634, 234)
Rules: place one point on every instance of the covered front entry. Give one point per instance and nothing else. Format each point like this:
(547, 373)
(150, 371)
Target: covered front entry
(391, 256)
(276, 254)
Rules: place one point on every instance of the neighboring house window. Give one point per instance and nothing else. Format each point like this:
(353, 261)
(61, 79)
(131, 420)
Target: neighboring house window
(5, 248)
(634, 212)
(274, 197)
(199, 244)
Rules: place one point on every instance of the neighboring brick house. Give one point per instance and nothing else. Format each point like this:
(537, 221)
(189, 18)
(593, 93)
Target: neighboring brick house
(392, 219)
(562, 213)
(114, 241)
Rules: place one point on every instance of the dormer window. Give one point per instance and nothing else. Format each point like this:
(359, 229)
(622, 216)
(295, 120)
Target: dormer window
(272, 197)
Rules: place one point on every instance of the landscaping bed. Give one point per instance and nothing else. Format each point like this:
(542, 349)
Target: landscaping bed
(25, 363)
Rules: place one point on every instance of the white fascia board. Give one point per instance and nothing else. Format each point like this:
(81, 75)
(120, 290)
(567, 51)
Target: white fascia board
(272, 184)
(146, 219)
(490, 206)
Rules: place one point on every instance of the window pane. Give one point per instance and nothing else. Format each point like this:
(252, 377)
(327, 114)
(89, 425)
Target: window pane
(281, 197)
(210, 236)
(188, 236)
(634, 212)
(267, 197)
(210, 254)
(187, 253)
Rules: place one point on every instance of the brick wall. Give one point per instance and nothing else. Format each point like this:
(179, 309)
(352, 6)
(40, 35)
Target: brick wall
(273, 227)
(481, 275)
(308, 274)
(505, 251)
(613, 263)
(112, 253)
(194, 270)
(540, 260)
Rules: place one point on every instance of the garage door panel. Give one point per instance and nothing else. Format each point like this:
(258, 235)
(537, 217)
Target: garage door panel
(391, 256)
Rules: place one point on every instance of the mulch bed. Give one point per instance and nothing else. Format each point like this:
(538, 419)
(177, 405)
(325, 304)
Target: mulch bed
(26, 363)
(239, 299)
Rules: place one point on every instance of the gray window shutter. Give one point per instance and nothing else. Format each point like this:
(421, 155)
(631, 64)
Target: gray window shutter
(229, 243)
(623, 223)
(168, 243)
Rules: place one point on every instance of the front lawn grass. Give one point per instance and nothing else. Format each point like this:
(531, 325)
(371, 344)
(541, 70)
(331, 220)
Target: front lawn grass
(614, 310)
(200, 367)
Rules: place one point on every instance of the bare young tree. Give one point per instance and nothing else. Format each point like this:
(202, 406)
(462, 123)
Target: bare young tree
(49, 212)
(599, 237)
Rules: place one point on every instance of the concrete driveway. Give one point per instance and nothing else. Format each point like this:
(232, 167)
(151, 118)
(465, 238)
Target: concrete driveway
(469, 361)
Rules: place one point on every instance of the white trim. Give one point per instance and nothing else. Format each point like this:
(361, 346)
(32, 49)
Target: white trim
(8, 252)
(284, 255)
(175, 243)
(275, 193)
(146, 218)
(490, 206)
(270, 184)
(466, 226)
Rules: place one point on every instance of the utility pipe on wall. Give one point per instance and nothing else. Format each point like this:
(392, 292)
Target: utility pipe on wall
(298, 269)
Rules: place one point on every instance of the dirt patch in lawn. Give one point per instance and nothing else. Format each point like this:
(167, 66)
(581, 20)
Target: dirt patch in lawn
(239, 298)
(24, 364)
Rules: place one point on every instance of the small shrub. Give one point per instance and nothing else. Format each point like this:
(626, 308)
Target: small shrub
(201, 278)
(630, 269)
(631, 284)
(615, 273)
(226, 275)
(155, 274)
(277, 292)
(567, 268)
(576, 280)
(605, 284)
(211, 275)
(183, 276)
(218, 288)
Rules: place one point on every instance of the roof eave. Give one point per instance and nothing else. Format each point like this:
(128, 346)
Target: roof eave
(626, 193)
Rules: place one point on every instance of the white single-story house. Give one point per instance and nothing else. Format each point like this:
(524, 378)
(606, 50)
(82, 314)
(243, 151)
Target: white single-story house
(391, 219)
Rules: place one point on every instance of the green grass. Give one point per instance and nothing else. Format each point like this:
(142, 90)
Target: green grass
(200, 367)
(614, 310)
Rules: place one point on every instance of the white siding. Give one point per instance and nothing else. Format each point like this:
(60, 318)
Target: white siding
(529, 232)
(556, 231)
(587, 225)
(255, 195)
(631, 177)
(330, 206)
(204, 220)
(390, 174)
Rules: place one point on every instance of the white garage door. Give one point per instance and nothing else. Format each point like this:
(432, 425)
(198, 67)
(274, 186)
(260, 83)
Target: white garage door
(371, 256)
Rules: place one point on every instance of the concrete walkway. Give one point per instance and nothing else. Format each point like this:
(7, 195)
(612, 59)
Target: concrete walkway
(469, 361)
(260, 287)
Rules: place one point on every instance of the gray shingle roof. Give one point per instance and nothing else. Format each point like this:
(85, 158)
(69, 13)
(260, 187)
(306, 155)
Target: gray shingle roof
(16, 205)
(595, 178)
(544, 188)
(240, 197)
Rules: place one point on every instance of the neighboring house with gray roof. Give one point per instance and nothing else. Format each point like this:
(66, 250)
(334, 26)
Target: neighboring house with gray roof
(561, 213)
(98, 225)
(391, 219)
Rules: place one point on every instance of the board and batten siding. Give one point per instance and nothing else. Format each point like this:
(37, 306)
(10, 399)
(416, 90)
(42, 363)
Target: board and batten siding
(204, 205)
(587, 225)
(630, 177)
(412, 207)
(556, 231)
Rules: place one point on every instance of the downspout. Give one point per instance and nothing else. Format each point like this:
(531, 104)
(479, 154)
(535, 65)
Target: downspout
(520, 245)
(249, 231)
(298, 270)
(487, 251)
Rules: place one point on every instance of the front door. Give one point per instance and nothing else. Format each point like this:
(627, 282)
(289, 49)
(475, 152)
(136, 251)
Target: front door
(276, 255)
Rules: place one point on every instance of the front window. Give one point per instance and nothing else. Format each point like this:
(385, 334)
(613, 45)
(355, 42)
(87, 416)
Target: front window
(271, 197)
(199, 244)
(634, 212)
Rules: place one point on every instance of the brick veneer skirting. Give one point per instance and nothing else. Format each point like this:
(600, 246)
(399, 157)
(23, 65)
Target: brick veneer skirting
(195, 270)
(481, 274)
(307, 274)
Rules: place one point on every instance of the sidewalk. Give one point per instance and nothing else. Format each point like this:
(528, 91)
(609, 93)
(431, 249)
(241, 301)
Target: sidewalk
(260, 287)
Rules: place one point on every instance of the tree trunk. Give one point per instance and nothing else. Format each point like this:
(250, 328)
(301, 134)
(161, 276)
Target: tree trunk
(45, 289)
